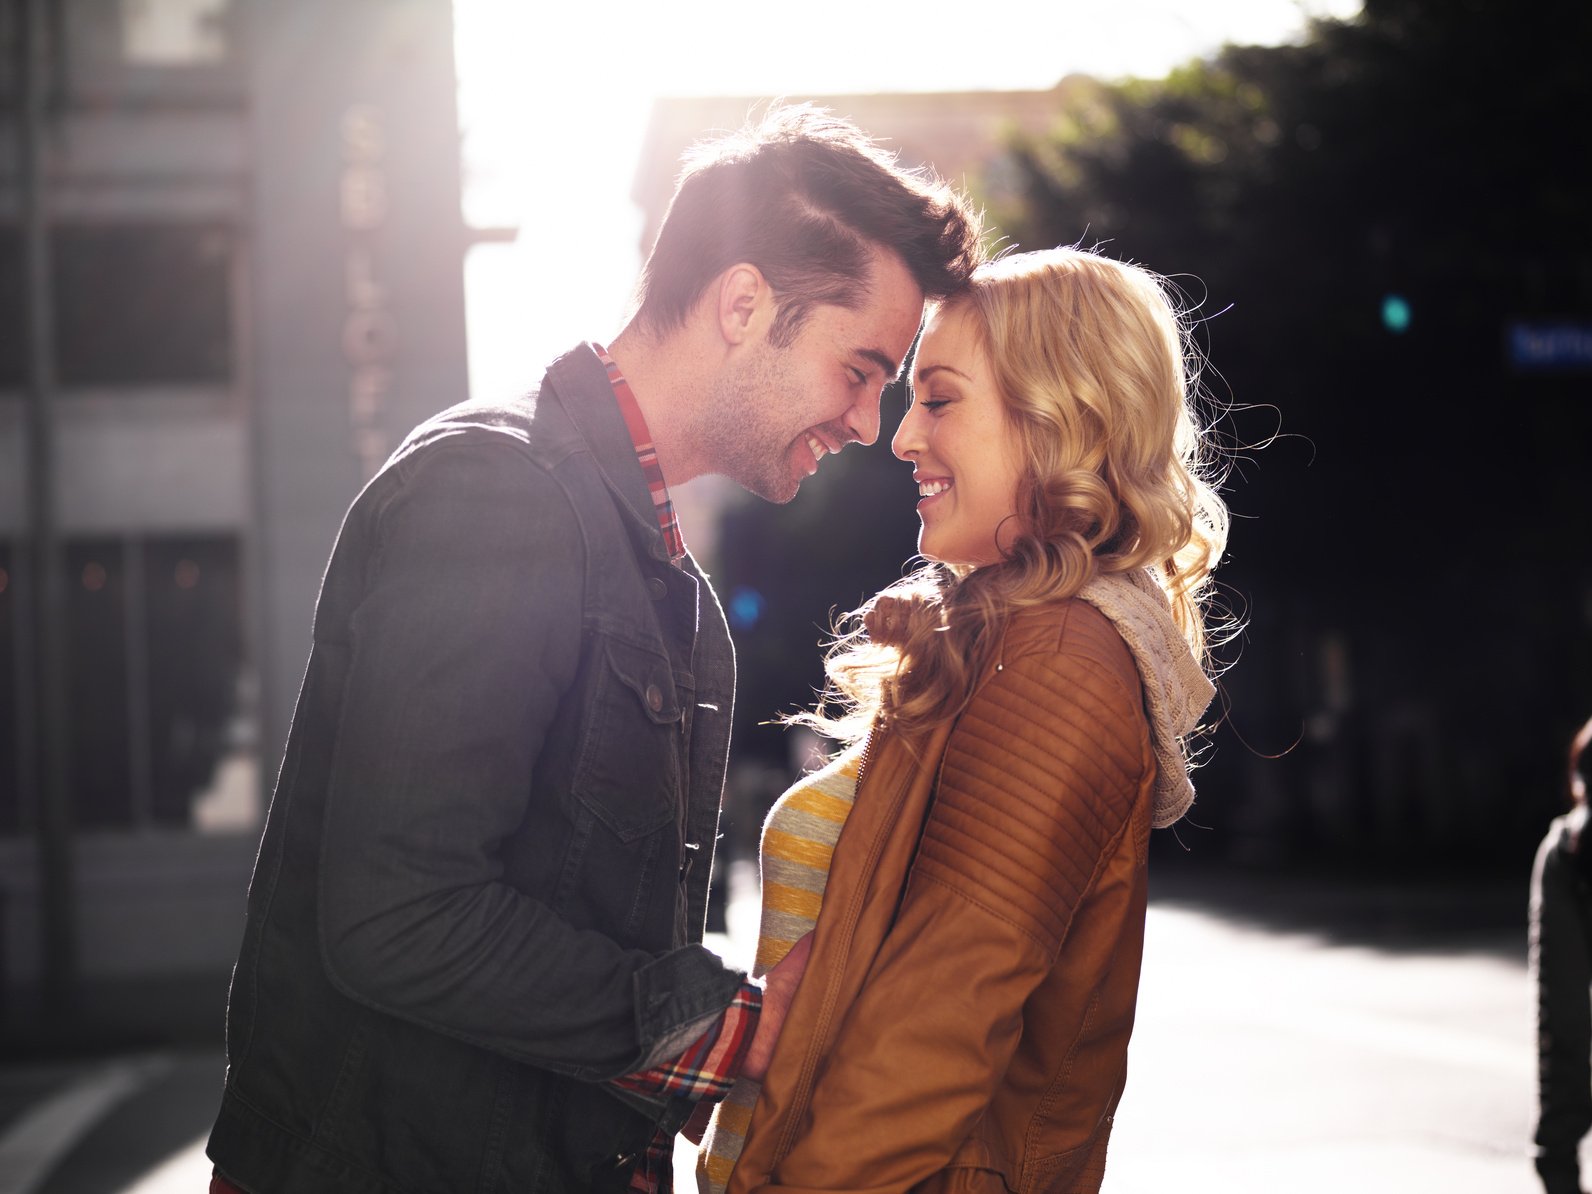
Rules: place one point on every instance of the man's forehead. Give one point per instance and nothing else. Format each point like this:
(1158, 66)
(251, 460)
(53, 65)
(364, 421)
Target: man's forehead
(894, 314)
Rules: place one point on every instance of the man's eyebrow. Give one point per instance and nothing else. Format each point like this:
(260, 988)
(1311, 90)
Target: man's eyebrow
(882, 359)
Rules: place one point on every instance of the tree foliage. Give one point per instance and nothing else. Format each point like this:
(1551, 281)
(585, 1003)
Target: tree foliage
(1413, 557)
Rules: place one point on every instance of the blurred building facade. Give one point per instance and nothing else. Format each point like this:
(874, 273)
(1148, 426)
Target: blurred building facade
(230, 281)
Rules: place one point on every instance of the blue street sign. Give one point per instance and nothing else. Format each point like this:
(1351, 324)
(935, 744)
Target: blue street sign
(1560, 347)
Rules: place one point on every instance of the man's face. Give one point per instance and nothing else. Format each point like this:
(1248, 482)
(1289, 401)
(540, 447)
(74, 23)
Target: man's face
(777, 412)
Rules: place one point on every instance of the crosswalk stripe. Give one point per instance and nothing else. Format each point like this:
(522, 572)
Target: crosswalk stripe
(34, 1144)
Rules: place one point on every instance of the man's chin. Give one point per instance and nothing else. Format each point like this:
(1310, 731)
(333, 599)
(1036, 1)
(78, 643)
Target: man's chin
(776, 489)
(782, 493)
(778, 486)
(774, 477)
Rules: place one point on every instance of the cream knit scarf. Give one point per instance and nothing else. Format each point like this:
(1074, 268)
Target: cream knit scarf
(1176, 688)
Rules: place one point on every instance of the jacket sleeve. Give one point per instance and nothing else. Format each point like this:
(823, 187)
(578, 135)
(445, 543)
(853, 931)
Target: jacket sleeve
(465, 641)
(1039, 779)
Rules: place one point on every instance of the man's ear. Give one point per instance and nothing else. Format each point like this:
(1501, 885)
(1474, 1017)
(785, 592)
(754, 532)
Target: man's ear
(745, 304)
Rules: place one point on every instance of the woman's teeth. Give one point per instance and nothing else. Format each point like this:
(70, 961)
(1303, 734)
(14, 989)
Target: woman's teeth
(930, 488)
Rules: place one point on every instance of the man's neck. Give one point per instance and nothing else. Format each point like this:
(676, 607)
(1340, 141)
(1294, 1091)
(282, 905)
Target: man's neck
(669, 379)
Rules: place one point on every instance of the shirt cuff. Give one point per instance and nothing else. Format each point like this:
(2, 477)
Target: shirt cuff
(709, 1067)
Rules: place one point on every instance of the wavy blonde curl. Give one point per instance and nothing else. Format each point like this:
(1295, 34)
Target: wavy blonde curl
(1095, 368)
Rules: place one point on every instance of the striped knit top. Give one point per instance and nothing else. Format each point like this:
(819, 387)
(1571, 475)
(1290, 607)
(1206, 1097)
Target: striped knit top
(798, 842)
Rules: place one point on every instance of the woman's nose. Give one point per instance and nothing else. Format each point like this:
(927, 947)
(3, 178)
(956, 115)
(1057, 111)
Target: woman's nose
(908, 439)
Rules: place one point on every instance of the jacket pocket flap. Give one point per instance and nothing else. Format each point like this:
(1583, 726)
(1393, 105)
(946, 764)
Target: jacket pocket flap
(649, 677)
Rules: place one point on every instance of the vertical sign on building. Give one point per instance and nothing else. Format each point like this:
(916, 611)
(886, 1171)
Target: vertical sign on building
(370, 333)
(356, 279)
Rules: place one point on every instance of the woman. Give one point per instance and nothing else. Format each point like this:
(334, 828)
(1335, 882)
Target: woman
(1015, 713)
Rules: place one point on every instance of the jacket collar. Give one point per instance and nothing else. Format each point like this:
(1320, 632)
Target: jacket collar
(579, 382)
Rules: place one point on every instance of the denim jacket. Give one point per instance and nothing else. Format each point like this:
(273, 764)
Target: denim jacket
(483, 880)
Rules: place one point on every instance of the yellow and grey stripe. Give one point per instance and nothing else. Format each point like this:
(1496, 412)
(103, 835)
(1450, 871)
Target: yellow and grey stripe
(798, 843)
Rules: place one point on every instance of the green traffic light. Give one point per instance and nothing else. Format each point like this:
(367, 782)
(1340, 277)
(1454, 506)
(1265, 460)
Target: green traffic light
(1396, 314)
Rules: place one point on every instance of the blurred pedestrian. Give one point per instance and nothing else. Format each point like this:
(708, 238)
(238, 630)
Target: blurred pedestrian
(975, 861)
(1561, 965)
(472, 957)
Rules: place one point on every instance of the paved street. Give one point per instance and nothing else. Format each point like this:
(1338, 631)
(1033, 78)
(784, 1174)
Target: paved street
(1309, 1038)
(1269, 1060)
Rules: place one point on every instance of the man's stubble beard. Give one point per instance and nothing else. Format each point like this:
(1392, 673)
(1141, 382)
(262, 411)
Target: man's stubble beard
(739, 430)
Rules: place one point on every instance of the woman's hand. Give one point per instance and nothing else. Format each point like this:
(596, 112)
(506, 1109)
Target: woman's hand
(779, 990)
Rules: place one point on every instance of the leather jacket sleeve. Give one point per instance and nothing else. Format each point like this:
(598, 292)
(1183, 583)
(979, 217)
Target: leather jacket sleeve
(1038, 782)
(465, 639)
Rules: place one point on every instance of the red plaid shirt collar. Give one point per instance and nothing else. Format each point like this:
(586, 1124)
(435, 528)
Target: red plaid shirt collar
(647, 455)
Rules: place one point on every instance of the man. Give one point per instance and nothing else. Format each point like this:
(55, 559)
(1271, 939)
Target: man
(472, 958)
(1561, 967)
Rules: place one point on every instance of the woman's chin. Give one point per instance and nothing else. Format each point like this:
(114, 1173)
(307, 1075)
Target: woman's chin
(941, 553)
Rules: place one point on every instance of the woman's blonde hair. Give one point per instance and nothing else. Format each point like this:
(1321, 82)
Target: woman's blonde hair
(1095, 368)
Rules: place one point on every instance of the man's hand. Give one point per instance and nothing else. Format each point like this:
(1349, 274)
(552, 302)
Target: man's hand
(778, 991)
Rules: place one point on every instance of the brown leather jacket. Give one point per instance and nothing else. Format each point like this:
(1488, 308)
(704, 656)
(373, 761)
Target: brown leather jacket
(964, 1019)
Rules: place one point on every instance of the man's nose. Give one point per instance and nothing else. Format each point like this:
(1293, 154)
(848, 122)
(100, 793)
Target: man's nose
(862, 420)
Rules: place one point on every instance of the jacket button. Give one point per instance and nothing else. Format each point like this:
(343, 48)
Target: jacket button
(656, 589)
(654, 698)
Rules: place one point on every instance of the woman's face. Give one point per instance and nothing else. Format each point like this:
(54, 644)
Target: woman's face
(964, 453)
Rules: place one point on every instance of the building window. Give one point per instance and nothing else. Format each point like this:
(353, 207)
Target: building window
(12, 358)
(202, 767)
(134, 304)
(99, 730)
(11, 698)
(142, 304)
(160, 705)
(174, 32)
(10, 49)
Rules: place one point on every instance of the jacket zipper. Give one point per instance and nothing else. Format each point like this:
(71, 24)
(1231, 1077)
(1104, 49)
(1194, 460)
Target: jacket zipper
(867, 752)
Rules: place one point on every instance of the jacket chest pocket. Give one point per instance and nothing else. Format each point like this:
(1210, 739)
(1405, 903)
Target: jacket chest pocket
(628, 775)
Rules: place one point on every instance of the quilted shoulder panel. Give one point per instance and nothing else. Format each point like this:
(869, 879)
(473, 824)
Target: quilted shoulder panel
(1041, 774)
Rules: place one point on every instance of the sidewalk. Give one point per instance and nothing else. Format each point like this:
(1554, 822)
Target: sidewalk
(1311, 1035)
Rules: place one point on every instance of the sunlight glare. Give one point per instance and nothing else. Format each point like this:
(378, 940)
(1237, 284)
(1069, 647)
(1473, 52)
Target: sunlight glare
(554, 100)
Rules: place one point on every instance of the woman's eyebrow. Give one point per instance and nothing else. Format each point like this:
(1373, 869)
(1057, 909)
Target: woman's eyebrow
(924, 371)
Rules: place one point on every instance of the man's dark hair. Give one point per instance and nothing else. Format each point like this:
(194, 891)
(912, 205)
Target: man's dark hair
(805, 196)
